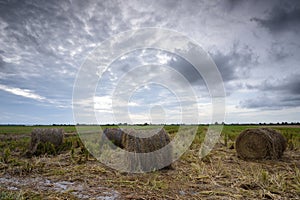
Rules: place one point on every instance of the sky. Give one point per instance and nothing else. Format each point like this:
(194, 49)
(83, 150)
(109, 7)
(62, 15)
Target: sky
(254, 44)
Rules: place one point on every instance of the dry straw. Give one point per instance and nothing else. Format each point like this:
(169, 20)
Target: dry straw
(260, 143)
(131, 142)
(42, 135)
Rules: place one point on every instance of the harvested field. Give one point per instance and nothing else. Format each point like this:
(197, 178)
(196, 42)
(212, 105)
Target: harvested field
(54, 136)
(74, 174)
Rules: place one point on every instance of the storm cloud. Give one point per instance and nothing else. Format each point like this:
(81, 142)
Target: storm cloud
(283, 17)
(43, 45)
(236, 63)
(275, 93)
(289, 85)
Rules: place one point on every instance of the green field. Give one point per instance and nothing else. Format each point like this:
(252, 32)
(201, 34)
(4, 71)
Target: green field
(27, 129)
(230, 132)
(70, 172)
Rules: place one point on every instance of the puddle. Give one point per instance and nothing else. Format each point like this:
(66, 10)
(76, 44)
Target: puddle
(109, 196)
(63, 185)
(78, 189)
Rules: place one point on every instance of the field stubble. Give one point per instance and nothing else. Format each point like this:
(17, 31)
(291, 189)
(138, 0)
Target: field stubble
(74, 174)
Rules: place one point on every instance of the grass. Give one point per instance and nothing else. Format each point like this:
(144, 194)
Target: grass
(13, 130)
(72, 173)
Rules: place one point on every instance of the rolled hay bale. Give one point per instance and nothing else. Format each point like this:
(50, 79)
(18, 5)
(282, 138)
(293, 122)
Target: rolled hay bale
(47, 138)
(260, 143)
(114, 135)
(141, 145)
(131, 142)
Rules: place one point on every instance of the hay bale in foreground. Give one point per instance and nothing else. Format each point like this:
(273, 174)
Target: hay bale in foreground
(131, 142)
(114, 135)
(136, 144)
(46, 136)
(260, 143)
(139, 146)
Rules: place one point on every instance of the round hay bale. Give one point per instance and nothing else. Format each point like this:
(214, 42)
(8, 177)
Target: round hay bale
(131, 142)
(46, 135)
(143, 145)
(114, 135)
(260, 143)
(138, 144)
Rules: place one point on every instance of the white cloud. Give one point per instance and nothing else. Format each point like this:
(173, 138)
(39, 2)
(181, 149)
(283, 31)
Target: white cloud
(103, 104)
(22, 92)
(15, 59)
(163, 58)
(30, 94)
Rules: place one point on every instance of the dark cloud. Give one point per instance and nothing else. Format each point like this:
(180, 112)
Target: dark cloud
(279, 52)
(186, 69)
(277, 94)
(283, 17)
(236, 63)
(289, 85)
(265, 102)
(230, 5)
(2, 63)
(233, 64)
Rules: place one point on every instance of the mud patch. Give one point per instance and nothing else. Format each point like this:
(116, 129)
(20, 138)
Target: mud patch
(78, 190)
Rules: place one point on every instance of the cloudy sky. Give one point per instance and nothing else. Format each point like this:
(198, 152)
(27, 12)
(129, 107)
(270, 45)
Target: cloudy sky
(43, 45)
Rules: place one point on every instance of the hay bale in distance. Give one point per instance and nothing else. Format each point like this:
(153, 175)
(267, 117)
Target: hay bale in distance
(133, 143)
(47, 136)
(260, 143)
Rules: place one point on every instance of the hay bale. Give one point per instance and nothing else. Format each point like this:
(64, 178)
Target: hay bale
(131, 142)
(139, 146)
(114, 135)
(45, 136)
(260, 143)
(136, 144)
